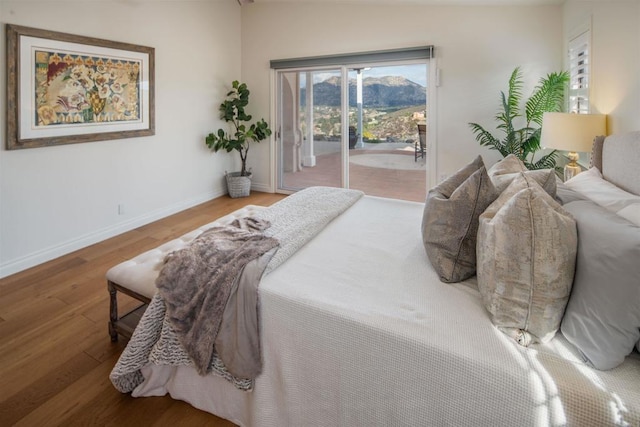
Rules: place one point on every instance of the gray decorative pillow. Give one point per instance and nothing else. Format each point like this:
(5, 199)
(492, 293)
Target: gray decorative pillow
(603, 315)
(566, 194)
(526, 258)
(506, 170)
(450, 221)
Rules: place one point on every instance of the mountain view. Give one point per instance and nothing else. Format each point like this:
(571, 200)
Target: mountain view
(392, 106)
(388, 91)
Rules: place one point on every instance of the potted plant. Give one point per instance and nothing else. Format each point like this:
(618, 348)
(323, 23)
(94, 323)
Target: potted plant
(548, 96)
(238, 137)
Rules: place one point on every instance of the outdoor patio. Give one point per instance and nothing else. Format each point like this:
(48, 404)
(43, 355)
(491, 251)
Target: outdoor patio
(383, 169)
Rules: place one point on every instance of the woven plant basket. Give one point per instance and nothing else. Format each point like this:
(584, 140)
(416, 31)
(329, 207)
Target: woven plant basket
(237, 185)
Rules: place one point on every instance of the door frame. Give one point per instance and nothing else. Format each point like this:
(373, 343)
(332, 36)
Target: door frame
(432, 146)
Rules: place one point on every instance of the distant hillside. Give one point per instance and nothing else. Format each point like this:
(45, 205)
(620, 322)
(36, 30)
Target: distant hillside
(377, 92)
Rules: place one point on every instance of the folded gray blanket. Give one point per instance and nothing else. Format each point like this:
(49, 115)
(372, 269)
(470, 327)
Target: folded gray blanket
(197, 281)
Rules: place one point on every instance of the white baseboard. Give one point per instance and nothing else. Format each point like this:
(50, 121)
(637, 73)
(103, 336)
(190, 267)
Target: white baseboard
(52, 252)
(265, 188)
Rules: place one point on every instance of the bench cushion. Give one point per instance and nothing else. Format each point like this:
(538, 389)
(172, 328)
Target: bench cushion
(139, 274)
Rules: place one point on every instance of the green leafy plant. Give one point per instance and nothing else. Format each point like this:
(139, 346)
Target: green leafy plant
(232, 111)
(524, 142)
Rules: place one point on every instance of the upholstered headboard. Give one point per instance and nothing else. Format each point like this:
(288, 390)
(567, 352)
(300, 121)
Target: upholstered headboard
(618, 158)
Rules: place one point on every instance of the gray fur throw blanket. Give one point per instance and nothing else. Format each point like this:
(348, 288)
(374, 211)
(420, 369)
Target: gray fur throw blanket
(294, 221)
(197, 281)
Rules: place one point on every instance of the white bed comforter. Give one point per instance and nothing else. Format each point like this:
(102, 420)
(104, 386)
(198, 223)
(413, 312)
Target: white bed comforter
(292, 222)
(357, 330)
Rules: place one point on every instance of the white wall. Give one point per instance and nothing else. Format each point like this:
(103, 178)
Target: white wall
(57, 199)
(615, 38)
(477, 48)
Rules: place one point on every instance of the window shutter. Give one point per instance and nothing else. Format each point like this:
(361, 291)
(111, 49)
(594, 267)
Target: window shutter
(579, 70)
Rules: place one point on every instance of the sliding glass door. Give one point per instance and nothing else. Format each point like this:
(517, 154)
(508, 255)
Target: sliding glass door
(309, 137)
(354, 127)
(387, 116)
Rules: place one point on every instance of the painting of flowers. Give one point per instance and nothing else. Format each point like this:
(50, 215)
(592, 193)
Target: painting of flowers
(64, 88)
(84, 89)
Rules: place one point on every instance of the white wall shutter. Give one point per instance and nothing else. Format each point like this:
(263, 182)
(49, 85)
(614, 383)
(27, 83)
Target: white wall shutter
(579, 70)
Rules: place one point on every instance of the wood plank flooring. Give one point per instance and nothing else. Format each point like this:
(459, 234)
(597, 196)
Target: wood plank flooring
(55, 351)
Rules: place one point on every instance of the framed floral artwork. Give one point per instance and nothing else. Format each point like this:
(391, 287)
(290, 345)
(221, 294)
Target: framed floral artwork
(64, 89)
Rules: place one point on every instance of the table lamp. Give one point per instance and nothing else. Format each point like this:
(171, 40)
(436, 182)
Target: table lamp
(573, 133)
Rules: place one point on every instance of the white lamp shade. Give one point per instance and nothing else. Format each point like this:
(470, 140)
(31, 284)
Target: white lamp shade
(571, 132)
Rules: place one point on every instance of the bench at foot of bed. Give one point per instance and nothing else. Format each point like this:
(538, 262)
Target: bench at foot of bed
(125, 324)
(136, 277)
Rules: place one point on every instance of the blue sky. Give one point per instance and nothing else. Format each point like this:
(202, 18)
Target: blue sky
(416, 73)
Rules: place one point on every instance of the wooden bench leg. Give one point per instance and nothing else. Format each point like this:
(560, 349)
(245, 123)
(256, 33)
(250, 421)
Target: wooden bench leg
(113, 311)
(126, 323)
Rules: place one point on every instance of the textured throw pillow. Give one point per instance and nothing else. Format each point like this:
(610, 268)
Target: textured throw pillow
(506, 170)
(526, 258)
(450, 221)
(603, 314)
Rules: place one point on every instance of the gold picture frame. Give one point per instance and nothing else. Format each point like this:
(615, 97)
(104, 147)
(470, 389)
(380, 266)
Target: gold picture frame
(65, 89)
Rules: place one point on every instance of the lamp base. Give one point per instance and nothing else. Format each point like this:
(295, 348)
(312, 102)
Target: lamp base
(572, 169)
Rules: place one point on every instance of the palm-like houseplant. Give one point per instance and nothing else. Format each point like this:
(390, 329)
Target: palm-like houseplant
(547, 96)
(240, 135)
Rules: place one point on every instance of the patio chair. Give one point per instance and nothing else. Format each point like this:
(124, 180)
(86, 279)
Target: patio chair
(421, 143)
(353, 137)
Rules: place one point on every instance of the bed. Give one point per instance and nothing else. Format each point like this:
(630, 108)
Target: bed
(358, 328)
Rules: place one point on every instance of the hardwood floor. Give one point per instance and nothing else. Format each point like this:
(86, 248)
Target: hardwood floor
(55, 351)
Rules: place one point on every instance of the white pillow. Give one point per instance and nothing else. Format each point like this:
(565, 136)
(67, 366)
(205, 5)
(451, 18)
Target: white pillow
(592, 185)
(602, 318)
(631, 213)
